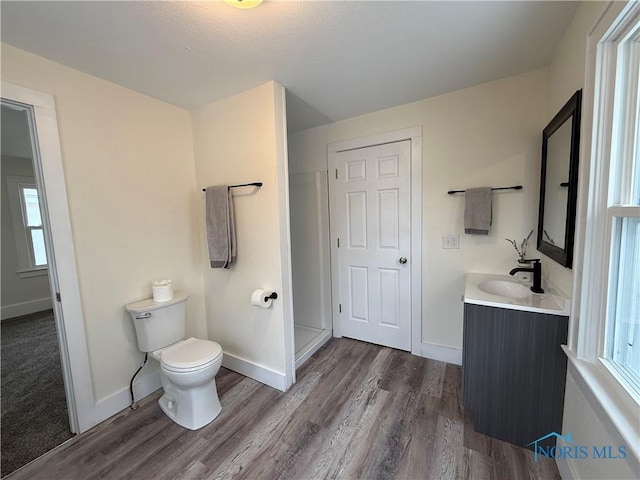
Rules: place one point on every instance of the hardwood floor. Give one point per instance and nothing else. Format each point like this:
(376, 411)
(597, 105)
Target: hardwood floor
(357, 411)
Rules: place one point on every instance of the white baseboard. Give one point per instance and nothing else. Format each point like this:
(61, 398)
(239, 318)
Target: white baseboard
(108, 407)
(252, 370)
(442, 353)
(25, 308)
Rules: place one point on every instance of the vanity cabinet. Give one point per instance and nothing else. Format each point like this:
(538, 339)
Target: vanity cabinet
(514, 372)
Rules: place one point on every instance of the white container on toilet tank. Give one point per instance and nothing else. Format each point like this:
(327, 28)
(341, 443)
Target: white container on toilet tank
(162, 290)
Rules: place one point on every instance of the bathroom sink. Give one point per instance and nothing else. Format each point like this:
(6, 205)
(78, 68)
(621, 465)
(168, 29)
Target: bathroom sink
(505, 288)
(504, 291)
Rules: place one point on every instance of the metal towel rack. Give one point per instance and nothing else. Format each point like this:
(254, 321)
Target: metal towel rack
(515, 187)
(252, 184)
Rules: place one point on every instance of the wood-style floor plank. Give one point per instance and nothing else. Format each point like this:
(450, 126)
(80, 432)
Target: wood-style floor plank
(266, 429)
(357, 411)
(449, 437)
(419, 454)
(355, 423)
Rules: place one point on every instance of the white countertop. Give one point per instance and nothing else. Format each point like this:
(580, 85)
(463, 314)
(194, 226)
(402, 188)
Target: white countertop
(551, 301)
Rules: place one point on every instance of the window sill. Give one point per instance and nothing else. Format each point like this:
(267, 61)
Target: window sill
(609, 399)
(33, 272)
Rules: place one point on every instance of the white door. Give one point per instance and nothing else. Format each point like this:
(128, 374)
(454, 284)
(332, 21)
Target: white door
(371, 204)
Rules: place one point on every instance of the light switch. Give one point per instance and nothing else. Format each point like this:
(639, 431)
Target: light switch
(450, 240)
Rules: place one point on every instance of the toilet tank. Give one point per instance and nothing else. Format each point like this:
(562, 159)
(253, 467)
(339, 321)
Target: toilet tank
(159, 324)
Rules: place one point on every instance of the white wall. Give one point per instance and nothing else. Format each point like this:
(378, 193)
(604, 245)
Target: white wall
(586, 422)
(310, 255)
(133, 204)
(489, 134)
(20, 296)
(240, 140)
(310, 252)
(308, 150)
(589, 426)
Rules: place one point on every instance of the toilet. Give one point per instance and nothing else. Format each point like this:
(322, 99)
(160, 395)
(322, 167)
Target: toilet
(187, 367)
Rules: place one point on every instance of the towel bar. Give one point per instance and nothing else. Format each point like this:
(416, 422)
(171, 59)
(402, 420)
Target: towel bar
(515, 187)
(253, 184)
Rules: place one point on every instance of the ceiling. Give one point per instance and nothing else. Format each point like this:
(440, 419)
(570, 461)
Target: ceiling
(338, 59)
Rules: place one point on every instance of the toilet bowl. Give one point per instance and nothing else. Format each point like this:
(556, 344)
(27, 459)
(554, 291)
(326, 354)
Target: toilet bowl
(188, 369)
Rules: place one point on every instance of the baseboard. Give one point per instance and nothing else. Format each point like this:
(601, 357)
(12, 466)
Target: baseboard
(108, 407)
(252, 370)
(442, 353)
(25, 308)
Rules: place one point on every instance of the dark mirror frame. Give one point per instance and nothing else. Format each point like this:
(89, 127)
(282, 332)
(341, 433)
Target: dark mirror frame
(571, 111)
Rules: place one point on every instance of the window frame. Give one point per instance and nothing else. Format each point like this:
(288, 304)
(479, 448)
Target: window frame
(602, 387)
(621, 132)
(21, 231)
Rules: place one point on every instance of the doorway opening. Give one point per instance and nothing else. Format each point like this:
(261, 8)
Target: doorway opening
(35, 416)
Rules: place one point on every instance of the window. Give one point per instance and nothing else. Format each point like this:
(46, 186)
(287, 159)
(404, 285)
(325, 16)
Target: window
(621, 343)
(622, 348)
(27, 226)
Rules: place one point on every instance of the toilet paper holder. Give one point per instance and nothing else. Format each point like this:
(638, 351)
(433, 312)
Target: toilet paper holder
(273, 296)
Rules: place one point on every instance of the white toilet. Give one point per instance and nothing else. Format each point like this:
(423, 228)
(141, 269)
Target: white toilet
(188, 367)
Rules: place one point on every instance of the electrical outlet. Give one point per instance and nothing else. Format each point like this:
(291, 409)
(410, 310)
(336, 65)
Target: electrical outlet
(450, 240)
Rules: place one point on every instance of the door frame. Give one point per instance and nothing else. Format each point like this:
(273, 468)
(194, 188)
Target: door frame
(333, 149)
(63, 275)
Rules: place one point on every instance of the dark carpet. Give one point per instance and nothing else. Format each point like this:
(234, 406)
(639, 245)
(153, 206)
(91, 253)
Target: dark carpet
(33, 405)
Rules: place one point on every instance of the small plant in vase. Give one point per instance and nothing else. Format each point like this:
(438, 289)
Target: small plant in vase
(522, 248)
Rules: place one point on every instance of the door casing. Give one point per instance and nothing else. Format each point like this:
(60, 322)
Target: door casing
(415, 136)
(49, 175)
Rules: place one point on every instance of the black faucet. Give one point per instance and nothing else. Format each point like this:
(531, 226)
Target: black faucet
(537, 274)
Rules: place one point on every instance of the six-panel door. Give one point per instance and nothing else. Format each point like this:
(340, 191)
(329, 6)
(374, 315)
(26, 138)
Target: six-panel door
(373, 208)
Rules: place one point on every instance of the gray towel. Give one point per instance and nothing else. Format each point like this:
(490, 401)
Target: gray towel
(221, 232)
(477, 210)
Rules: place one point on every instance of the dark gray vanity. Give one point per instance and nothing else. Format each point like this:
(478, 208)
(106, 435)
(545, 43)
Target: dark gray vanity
(513, 365)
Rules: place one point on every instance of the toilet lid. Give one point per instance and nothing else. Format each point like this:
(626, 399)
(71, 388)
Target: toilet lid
(191, 353)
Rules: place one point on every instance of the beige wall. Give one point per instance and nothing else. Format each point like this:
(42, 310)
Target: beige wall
(129, 170)
(236, 142)
(19, 295)
(566, 75)
(485, 135)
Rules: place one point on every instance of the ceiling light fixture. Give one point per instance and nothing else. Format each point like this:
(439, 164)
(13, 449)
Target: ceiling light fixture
(244, 4)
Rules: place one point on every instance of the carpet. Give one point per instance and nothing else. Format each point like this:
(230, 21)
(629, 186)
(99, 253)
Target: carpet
(33, 405)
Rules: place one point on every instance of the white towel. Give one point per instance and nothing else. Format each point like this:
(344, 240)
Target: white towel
(477, 210)
(221, 232)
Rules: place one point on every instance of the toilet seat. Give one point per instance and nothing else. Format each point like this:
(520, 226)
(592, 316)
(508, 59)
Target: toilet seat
(191, 354)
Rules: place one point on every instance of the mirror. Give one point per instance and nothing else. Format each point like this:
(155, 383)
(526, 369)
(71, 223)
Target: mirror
(559, 183)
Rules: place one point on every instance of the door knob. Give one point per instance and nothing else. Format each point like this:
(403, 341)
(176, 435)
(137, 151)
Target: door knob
(403, 260)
